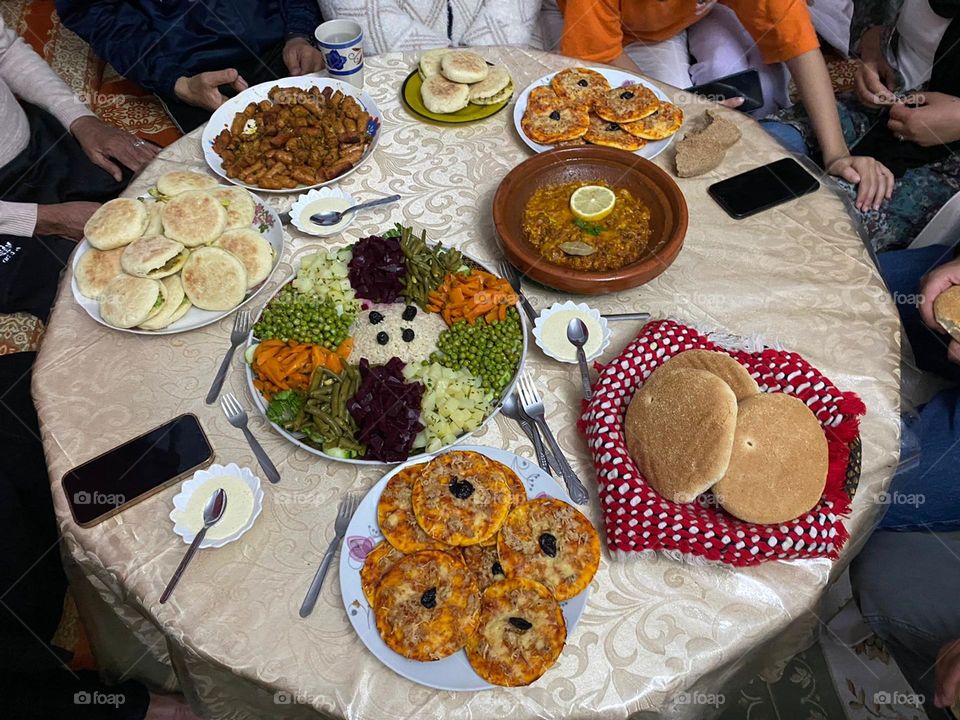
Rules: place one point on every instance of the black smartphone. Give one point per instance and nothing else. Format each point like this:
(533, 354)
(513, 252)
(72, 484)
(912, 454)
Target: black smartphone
(762, 188)
(745, 84)
(102, 487)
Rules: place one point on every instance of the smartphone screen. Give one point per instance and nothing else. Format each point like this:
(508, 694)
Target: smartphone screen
(138, 468)
(745, 84)
(763, 188)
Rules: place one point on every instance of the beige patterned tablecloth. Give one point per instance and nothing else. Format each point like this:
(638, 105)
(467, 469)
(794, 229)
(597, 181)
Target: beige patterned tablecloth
(653, 629)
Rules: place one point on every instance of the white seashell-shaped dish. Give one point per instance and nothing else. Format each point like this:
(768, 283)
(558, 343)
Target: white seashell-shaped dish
(582, 309)
(301, 203)
(189, 487)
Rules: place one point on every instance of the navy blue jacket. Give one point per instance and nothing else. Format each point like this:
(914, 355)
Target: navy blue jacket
(153, 42)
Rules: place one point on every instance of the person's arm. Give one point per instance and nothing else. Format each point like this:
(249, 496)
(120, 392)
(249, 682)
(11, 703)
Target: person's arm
(875, 182)
(592, 31)
(60, 219)
(123, 36)
(30, 78)
(947, 674)
(874, 80)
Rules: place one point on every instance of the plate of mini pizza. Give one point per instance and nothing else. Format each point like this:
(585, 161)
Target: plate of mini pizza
(468, 570)
(597, 106)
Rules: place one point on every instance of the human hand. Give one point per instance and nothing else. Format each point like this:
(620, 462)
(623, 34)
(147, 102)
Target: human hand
(101, 143)
(301, 57)
(203, 89)
(932, 284)
(934, 122)
(64, 219)
(947, 673)
(874, 79)
(875, 181)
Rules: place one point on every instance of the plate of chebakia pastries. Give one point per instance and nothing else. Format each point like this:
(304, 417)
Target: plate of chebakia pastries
(184, 255)
(456, 86)
(467, 571)
(581, 105)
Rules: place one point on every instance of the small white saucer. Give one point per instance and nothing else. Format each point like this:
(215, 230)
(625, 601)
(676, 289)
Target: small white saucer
(317, 193)
(200, 477)
(583, 309)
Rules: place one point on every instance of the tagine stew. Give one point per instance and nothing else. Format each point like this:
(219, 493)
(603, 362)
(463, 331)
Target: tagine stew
(609, 244)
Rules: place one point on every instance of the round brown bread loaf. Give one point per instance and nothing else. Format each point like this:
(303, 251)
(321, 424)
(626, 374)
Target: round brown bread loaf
(720, 364)
(679, 430)
(778, 467)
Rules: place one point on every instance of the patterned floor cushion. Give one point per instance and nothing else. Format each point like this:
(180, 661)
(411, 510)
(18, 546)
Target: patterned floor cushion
(117, 101)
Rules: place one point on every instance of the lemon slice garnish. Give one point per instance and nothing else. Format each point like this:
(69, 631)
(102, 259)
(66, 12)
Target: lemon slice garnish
(592, 202)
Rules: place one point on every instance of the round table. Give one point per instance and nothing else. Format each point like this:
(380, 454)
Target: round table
(654, 627)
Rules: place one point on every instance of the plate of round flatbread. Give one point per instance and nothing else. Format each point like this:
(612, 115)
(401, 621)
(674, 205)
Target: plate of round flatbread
(403, 604)
(179, 257)
(596, 106)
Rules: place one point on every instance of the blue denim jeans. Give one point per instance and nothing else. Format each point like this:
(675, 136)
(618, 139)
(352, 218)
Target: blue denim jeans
(787, 135)
(927, 497)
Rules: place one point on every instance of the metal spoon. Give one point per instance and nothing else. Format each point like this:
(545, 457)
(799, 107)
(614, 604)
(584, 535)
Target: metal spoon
(578, 335)
(511, 408)
(334, 216)
(212, 512)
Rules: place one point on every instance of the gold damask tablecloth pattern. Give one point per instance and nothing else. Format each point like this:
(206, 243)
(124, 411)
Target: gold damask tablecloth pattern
(653, 627)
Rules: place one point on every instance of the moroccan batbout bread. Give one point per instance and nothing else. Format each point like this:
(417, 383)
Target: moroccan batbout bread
(128, 301)
(116, 223)
(778, 467)
(179, 181)
(497, 79)
(720, 364)
(946, 309)
(175, 305)
(679, 430)
(463, 66)
(239, 206)
(441, 96)
(153, 257)
(95, 269)
(251, 249)
(214, 279)
(430, 61)
(195, 217)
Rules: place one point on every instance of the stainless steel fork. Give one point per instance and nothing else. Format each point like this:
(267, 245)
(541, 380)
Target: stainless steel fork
(533, 406)
(241, 327)
(512, 276)
(348, 506)
(238, 418)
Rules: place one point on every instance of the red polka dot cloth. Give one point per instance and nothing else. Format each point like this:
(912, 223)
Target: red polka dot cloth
(637, 518)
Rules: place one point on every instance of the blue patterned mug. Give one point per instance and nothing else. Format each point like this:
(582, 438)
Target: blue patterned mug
(341, 42)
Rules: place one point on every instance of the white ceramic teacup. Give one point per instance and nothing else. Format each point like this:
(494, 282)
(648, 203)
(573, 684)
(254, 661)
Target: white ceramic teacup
(341, 42)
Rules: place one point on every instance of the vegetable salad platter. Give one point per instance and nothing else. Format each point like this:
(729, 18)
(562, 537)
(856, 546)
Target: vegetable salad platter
(386, 349)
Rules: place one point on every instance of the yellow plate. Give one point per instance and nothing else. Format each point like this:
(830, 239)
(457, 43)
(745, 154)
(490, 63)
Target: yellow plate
(410, 92)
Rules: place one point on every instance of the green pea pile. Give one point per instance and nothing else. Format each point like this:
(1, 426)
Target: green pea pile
(491, 351)
(292, 315)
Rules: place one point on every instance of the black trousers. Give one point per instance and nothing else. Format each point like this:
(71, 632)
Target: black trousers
(255, 71)
(52, 169)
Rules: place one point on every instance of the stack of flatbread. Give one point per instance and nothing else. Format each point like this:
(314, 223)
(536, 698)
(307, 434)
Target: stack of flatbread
(153, 259)
(700, 422)
(452, 79)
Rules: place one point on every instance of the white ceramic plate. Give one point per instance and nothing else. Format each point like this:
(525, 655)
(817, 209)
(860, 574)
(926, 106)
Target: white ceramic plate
(616, 78)
(189, 487)
(223, 117)
(262, 404)
(454, 672)
(265, 221)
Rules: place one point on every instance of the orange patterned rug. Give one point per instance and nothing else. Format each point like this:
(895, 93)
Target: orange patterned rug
(117, 101)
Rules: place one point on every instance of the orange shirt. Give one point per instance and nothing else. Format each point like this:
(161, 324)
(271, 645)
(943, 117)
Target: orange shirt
(598, 29)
